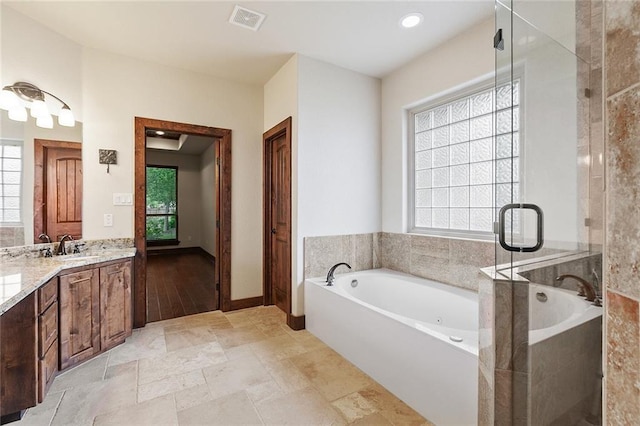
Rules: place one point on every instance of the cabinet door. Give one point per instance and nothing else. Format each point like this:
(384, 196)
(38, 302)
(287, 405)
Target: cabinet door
(115, 304)
(19, 356)
(79, 317)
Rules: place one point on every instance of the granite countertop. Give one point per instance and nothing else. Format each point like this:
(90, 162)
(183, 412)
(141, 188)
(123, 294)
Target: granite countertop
(23, 275)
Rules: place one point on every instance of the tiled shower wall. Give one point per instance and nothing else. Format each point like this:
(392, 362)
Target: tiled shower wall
(622, 246)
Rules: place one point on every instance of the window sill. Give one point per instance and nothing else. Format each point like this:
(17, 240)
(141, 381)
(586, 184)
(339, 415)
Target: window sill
(159, 243)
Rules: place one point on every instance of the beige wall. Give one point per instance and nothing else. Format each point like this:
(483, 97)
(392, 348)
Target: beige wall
(622, 245)
(208, 197)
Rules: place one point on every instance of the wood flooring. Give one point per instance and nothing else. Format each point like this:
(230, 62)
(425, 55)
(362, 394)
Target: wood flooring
(179, 284)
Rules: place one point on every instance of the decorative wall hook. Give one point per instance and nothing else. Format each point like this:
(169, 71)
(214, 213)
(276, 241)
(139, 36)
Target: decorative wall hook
(108, 156)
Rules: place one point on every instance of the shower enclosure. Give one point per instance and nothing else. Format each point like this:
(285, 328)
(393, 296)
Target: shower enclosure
(548, 202)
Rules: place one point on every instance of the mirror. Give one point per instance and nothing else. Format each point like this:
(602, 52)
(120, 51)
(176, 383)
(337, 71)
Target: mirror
(18, 176)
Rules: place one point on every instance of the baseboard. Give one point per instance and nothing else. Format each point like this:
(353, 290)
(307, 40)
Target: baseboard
(249, 302)
(296, 323)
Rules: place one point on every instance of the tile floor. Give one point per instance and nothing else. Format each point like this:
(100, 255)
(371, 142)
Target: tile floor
(244, 367)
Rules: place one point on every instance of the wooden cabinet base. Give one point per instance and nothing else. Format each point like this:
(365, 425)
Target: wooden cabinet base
(13, 417)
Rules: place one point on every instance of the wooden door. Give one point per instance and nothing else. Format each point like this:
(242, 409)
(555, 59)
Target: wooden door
(79, 317)
(115, 304)
(278, 216)
(57, 189)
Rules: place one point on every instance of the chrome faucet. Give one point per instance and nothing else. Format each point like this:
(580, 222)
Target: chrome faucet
(586, 289)
(61, 248)
(44, 238)
(330, 277)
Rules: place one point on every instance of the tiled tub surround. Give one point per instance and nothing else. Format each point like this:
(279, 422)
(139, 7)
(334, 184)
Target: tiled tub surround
(241, 367)
(515, 382)
(390, 324)
(622, 255)
(24, 269)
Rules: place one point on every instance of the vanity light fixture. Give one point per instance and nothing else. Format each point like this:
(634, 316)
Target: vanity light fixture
(411, 20)
(21, 95)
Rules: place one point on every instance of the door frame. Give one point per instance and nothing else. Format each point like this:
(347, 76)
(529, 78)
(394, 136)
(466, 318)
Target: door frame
(40, 147)
(278, 130)
(223, 234)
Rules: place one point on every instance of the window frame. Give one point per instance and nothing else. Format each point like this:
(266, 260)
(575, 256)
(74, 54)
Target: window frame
(19, 222)
(452, 95)
(163, 242)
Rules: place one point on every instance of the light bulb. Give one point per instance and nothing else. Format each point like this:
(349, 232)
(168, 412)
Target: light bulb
(411, 20)
(18, 113)
(66, 117)
(45, 121)
(39, 108)
(8, 100)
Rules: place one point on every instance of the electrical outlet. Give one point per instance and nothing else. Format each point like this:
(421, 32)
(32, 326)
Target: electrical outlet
(108, 219)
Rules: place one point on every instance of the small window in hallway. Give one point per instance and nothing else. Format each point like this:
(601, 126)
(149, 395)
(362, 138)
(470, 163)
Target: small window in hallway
(162, 205)
(465, 155)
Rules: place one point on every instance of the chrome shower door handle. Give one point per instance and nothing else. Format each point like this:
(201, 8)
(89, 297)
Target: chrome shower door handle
(539, 228)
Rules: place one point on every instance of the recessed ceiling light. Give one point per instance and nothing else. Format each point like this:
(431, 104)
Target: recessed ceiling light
(411, 20)
(159, 132)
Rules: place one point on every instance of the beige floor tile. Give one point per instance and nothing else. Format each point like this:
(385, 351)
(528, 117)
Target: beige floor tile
(130, 367)
(170, 385)
(354, 407)
(332, 375)
(238, 336)
(264, 391)
(306, 407)
(238, 351)
(234, 409)
(287, 376)
(240, 319)
(147, 342)
(192, 336)
(42, 414)
(277, 348)
(393, 409)
(191, 397)
(180, 362)
(87, 372)
(235, 375)
(156, 412)
(376, 419)
(81, 404)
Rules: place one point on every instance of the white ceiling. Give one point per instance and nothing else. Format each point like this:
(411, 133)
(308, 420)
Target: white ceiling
(358, 35)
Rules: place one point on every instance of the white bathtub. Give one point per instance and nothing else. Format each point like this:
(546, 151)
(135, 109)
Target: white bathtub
(418, 338)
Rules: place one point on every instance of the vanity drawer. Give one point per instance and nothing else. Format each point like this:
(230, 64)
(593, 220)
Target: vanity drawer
(47, 368)
(48, 329)
(47, 294)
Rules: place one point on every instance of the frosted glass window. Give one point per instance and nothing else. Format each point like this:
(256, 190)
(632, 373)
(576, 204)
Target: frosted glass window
(466, 158)
(10, 180)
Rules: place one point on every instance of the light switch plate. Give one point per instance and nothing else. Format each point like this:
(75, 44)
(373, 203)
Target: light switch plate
(122, 199)
(108, 219)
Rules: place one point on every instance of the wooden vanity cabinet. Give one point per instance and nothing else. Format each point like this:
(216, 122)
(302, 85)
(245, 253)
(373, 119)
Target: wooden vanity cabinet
(18, 358)
(79, 316)
(47, 336)
(115, 304)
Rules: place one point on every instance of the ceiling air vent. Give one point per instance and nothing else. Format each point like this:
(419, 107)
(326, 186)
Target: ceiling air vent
(246, 18)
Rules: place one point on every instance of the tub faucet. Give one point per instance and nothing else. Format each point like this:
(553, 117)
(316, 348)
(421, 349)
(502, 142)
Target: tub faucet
(586, 289)
(61, 248)
(330, 277)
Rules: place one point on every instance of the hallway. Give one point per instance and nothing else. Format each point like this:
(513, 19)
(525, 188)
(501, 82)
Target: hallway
(179, 284)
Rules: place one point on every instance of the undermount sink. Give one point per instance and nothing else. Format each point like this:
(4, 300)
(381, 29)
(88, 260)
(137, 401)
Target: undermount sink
(72, 258)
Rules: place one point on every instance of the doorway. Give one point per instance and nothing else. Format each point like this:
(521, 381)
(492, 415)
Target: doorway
(277, 217)
(166, 211)
(57, 189)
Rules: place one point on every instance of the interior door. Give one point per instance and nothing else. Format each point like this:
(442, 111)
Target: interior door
(281, 222)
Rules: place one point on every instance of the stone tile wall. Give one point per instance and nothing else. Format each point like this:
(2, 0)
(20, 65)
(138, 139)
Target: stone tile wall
(321, 253)
(622, 246)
